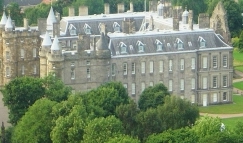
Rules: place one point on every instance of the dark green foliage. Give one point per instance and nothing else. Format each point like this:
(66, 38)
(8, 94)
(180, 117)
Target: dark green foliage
(15, 13)
(151, 97)
(123, 139)
(218, 137)
(240, 43)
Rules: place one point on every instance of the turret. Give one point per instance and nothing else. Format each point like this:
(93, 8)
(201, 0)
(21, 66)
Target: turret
(46, 43)
(8, 25)
(3, 20)
(50, 20)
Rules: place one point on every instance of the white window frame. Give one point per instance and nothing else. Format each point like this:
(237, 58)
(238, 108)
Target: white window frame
(205, 62)
(215, 62)
(161, 66)
(215, 81)
(202, 42)
(22, 53)
(182, 64)
(159, 45)
(22, 69)
(88, 73)
(225, 61)
(113, 69)
(151, 66)
(124, 68)
(72, 30)
(170, 65)
(125, 85)
(151, 83)
(143, 67)
(34, 69)
(72, 74)
(140, 46)
(142, 86)
(179, 44)
(87, 29)
(170, 85)
(193, 83)
(7, 55)
(133, 68)
(116, 27)
(193, 66)
(34, 52)
(133, 88)
(192, 98)
(225, 81)
(182, 84)
(205, 83)
(215, 97)
(123, 48)
(7, 71)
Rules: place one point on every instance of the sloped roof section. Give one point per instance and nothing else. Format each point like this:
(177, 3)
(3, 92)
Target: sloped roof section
(51, 18)
(4, 19)
(9, 23)
(46, 40)
(55, 44)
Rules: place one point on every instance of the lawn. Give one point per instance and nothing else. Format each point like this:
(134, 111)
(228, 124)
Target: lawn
(234, 108)
(230, 123)
(238, 85)
(238, 60)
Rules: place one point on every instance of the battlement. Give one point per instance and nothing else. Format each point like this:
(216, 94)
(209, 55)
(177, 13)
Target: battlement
(20, 33)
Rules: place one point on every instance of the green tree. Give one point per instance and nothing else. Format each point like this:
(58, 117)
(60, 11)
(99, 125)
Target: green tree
(36, 124)
(15, 13)
(19, 94)
(240, 43)
(151, 97)
(100, 130)
(123, 139)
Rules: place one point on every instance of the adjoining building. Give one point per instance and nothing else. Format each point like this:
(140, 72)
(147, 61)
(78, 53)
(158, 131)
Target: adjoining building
(137, 49)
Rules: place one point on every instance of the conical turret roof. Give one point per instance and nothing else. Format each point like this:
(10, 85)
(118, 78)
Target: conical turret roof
(102, 44)
(46, 40)
(55, 44)
(51, 18)
(9, 23)
(4, 19)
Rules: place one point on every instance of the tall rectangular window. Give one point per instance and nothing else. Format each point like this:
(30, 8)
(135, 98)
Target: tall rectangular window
(22, 53)
(192, 98)
(72, 74)
(124, 68)
(205, 82)
(205, 62)
(133, 68)
(22, 70)
(133, 88)
(170, 85)
(7, 71)
(161, 66)
(214, 81)
(88, 73)
(215, 62)
(142, 86)
(143, 67)
(215, 97)
(34, 69)
(7, 55)
(34, 52)
(224, 96)
(182, 84)
(193, 83)
(170, 65)
(125, 85)
(225, 81)
(151, 83)
(225, 61)
(151, 67)
(113, 69)
(182, 64)
(193, 63)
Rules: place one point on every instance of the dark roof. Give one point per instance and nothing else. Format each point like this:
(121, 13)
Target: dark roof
(23, 2)
(190, 41)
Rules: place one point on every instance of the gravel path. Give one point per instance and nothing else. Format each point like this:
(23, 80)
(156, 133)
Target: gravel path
(223, 116)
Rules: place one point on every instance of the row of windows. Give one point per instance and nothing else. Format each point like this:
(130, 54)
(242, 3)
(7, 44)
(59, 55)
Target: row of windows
(22, 70)
(22, 54)
(214, 97)
(215, 82)
(215, 61)
(88, 73)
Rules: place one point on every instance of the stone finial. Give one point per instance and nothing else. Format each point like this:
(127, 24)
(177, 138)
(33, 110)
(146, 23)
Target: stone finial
(107, 8)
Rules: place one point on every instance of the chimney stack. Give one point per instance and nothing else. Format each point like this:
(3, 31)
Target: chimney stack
(58, 18)
(42, 25)
(26, 24)
(83, 11)
(190, 19)
(131, 7)
(107, 8)
(56, 29)
(203, 20)
(120, 8)
(71, 11)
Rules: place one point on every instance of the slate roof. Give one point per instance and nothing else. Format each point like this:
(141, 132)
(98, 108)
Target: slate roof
(23, 2)
(190, 39)
(93, 21)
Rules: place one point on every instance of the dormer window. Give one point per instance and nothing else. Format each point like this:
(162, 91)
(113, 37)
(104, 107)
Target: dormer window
(116, 27)
(140, 46)
(123, 48)
(159, 45)
(179, 43)
(87, 29)
(72, 29)
(202, 42)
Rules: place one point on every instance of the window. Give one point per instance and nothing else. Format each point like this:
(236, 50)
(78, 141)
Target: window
(214, 61)
(124, 68)
(88, 72)
(34, 69)
(133, 68)
(170, 85)
(205, 62)
(7, 55)
(193, 63)
(116, 27)
(215, 97)
(73, 74)
(225, 81)
(159, 45)
(142, 86)
(182, 64)
(182, 84)
(214, 81)
(125, 85)
(179, 43)
(113, 69)
(7, 71)
(170, 65)
(22, 70)
(72, 64)
(74, 46)
(87, 62)
(140, 46)
(192, 98)
(161, 81)
(202, 42)
(133, 88)
(34, 52)
(151, 83)
(205, 83)
(123, 48)
(225, 61)
(87, 29)
(161, 66)
(72, 29)
(151, 67)
(143, 67)
(22, 53)
(224, 96)
(193, 83)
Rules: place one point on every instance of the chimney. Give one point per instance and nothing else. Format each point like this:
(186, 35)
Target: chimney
(71, 11)
(151, 23)
(13, 23)
(107, 8)
(56, 29)
(125, 26)
(26, 24)
(128, 25)
(190, 19)
(203, 20)
(83, 11)
(42, 25)
(153, 5)
(58, 18)
(131, 7)
(120, 8)
(176, 24)
(83, 43)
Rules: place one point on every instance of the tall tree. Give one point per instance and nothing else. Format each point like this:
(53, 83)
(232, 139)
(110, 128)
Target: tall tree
(15, 13)
(123, 139)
